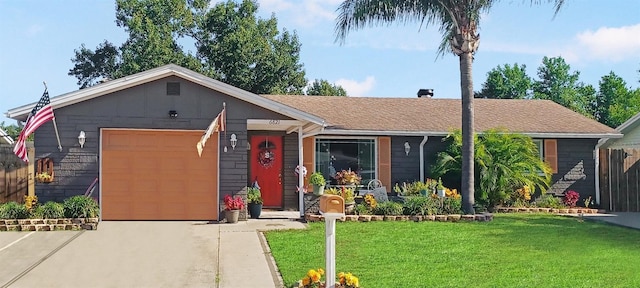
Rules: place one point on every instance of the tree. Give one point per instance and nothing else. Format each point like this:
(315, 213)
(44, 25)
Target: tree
(615, 103)
(93, 67)
(458, 21)
(324, 88)
(233, 45)
(250, 53)
(507, 83)
(503, 161)
(559, 85)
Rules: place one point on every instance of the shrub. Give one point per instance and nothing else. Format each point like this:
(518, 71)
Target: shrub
(80, 206)
(549, 201)
(35, 212)
(362, 209)
(420, 206)
(388, 208)
(13, 210)
(451, 206)
(52, 210)
(571, 198)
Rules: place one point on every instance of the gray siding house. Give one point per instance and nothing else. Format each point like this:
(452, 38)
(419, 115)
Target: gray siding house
(141, 133)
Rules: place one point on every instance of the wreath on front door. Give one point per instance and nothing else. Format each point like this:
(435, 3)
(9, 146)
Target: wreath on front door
(266, 158)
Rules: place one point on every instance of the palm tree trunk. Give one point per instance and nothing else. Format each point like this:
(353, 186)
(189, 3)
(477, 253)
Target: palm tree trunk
(466, 85)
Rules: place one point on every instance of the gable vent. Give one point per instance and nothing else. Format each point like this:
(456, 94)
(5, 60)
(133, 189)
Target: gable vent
(173, 88)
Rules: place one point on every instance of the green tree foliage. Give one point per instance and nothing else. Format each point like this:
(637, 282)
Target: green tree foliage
(248, 52)
(558, 84)
(324, 88)
(92, 67)
(233, 45)
(615, 102)
(458, 21)
(507, 82)
(504, 162)
(12, 130)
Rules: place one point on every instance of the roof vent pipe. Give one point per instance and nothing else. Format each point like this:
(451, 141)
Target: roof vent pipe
(428, 93)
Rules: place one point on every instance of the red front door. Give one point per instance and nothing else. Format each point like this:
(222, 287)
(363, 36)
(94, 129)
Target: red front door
(265, 159)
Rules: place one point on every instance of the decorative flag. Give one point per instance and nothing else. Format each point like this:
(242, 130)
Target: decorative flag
(40, 114)
(217, 125)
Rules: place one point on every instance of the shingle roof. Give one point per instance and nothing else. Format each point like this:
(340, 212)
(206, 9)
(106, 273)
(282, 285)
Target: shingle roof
(443, 115)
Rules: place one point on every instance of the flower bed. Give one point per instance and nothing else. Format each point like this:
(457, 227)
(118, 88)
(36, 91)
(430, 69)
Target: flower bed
(75, 213)
(577, 210)
(61, 224)
(416, 218)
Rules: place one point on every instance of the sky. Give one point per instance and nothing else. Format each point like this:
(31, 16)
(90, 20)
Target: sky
(595, 37)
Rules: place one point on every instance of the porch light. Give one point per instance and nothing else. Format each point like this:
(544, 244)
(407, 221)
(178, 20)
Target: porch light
(81, 139)
(234, 141)
(407, 148)
(173, 114)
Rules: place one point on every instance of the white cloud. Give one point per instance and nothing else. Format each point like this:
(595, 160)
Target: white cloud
(609, 44)
(34, 29)
(355, 88)
(306, 13)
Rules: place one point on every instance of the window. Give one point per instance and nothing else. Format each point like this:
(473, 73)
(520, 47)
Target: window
(538, 143)
(333, 155)
(548, 149)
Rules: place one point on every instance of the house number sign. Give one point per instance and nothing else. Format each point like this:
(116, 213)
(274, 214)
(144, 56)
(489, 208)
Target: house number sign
(274, 122)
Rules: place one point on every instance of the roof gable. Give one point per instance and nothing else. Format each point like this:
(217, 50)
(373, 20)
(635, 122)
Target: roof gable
(20, 113)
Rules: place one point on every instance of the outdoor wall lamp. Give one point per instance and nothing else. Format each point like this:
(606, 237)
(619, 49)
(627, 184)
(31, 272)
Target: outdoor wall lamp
(407, 148)
(234, 141)
(173, 114)
(81, 139)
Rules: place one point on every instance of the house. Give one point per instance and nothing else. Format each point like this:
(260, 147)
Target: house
(141, 133)
(619, 159)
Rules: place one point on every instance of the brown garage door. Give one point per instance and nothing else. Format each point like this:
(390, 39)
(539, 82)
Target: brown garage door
(157, 175)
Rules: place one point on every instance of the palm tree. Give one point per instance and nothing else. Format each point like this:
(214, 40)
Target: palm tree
(458, 22)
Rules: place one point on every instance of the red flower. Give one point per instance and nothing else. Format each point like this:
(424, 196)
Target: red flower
(231, 203)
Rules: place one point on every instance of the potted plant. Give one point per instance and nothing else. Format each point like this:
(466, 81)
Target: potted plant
(440, 188)
(318, 182)
(348, 177)
(254, 200)
(232, 207)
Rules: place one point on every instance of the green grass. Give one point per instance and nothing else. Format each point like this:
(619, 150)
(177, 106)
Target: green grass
(513, 250)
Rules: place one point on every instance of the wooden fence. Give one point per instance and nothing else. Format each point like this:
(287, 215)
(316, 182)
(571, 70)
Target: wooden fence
(620, 180)
(16, 176)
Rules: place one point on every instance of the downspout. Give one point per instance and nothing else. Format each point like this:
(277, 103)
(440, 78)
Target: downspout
(424, 141)
(300, 175)
(596, 156)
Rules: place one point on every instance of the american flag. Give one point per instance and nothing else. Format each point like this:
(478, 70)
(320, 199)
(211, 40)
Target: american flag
(40, 114)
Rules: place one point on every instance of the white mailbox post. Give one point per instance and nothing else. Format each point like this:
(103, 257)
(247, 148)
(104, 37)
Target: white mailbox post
(332, 208)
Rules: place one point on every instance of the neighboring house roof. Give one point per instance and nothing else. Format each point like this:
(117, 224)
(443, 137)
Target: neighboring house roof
(429, 116)
(631, 139)
(5, 138)
(20, 113)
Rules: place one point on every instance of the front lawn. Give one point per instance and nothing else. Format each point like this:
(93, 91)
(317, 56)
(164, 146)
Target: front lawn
(513, 250)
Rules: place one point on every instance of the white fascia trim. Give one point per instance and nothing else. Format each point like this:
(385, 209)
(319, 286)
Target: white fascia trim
(329, 131)
(572, 135)
(380, 132)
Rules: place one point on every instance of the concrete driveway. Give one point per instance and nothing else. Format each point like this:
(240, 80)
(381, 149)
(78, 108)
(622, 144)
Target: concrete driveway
(118, 254)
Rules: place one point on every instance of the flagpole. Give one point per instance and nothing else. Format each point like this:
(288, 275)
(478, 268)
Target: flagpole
(55, 126)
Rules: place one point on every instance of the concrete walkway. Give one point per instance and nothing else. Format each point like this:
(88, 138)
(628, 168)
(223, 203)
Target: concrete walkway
(625, 219)
(244, 257)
